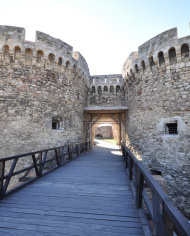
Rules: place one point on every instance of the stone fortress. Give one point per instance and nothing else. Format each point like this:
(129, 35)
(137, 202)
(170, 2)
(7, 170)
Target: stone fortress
(48, 98)
(43, 90)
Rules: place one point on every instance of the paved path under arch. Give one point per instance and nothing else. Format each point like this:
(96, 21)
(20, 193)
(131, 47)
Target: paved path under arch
(88, 196)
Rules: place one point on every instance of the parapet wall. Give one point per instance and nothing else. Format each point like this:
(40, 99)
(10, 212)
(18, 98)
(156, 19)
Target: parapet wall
(46, 51)
(106, 90)
(11, 33)
(47, 41)
(115, 79)
(163, 40)
(147, 57)
(157, 79)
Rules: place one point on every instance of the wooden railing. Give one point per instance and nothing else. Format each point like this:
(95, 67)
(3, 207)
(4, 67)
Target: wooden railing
(165, 217)
(38, 164)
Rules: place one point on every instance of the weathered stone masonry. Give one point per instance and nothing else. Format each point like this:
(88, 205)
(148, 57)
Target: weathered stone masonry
(40, 83)
(45, 87)
(157, 79)
(106, 91)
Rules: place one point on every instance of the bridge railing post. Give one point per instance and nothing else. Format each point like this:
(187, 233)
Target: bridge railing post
(57, 156)
(40, 163)
(139, 187)
(123, 151)
(38, 166)
(86, 146)
(157, 215)
(168, 225)
(126, 159)
(61, 154)
(35, 165)
(77, 151)
(165, 216)
(130, 163)
(2, 172)
(69, 152)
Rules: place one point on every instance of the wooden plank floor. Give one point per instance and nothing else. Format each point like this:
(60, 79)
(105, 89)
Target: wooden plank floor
(88, 196)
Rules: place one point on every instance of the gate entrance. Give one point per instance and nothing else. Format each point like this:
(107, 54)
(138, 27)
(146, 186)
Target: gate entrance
(96, 116)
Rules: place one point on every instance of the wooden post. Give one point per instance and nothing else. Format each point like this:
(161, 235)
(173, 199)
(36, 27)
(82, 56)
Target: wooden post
(130, 167)
(40, 163)
(126, 158)
(134, 169)
(119, 128)
(57, 157)
(35, 165)
(43, 161)
(139, 187)
(69, 152)
(77, 150)
(124, 152)
(158, 221)
(61, 155)
(168, 225)
(2, 172)
(9, 176)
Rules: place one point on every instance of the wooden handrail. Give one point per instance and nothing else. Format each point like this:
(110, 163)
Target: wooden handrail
(38, 159)
(165, 216)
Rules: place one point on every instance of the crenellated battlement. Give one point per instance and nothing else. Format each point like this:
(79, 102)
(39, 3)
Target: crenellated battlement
(49, 41)
(8, 33)
(106, 80)
(46, 52)
(163, 52)
(156, 43)
(106, 90)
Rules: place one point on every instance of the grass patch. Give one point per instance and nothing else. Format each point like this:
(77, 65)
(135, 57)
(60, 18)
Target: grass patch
(109, 140)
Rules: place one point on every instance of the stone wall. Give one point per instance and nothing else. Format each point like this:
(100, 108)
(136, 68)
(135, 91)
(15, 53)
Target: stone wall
(157, 80)
(107, 132)
(43, 91)
(104, 132)
(106, 91)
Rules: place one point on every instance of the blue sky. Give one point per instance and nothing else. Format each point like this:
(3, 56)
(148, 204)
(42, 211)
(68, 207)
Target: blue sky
(105, 32)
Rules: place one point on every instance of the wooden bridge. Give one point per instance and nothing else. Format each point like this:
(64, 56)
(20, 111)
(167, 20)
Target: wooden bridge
(91, 195)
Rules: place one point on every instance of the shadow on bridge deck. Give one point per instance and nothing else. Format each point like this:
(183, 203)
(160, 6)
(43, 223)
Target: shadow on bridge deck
(89, 196)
